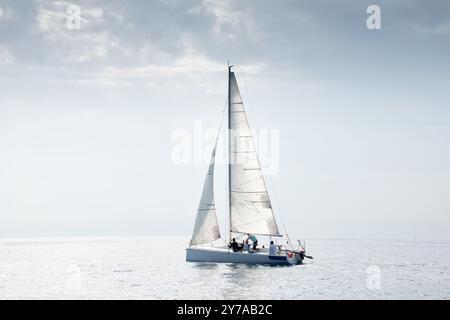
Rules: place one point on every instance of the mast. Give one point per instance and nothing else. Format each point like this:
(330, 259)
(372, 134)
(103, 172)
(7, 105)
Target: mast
(229, 145)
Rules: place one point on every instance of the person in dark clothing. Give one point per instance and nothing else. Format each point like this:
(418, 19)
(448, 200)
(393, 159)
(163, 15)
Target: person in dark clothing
(235, 246)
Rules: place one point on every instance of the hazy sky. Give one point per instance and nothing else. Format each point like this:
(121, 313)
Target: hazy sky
(87, 115)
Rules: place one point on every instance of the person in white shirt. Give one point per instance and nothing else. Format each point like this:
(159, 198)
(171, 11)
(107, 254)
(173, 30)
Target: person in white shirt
(273, 249)
(247, 246)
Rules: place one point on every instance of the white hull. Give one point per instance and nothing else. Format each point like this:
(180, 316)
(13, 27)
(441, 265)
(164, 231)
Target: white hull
(196, 254)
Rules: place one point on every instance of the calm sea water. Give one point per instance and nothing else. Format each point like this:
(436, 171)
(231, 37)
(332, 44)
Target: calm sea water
(155, 268)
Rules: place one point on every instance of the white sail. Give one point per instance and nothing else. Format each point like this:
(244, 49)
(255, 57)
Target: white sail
(250, 206)
(206, 228)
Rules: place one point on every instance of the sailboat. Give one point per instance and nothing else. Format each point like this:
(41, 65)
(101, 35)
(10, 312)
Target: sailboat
(249, 206)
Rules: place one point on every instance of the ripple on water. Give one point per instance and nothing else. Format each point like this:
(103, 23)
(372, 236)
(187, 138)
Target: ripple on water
(135, 268)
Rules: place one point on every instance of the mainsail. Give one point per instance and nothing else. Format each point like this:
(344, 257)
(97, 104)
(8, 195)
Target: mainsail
(206, 228)
(250, 206)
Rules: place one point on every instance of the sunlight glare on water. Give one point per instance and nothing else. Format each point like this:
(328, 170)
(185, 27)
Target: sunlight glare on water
(155, 268)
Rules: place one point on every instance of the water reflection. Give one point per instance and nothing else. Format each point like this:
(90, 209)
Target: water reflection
(338, 273)
(204, 265)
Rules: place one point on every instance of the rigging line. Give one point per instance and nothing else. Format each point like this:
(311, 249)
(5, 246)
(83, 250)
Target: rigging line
(281, 213)
(245, 121)
(250, 104)
(215, 156)
(226, 200)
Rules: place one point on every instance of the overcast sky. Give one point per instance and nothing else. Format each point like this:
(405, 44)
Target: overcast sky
(87, 116)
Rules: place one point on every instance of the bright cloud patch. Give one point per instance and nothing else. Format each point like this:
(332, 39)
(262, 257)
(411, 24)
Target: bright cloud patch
(6, 57)
(84, 41)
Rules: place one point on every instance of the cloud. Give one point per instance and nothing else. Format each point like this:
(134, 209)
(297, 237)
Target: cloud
(5, 13)
(440, 29)
(6, 57)
(113, 34)
(228, 22)
(129, 46)
(83, 43)
(192, 67)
